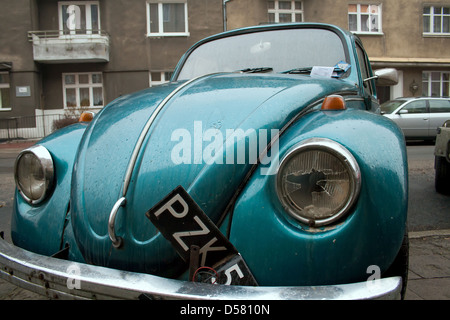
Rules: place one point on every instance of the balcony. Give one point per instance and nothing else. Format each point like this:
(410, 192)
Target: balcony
(80, 46)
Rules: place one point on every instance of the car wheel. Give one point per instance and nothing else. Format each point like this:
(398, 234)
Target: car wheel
(400, 266)
(442, 177)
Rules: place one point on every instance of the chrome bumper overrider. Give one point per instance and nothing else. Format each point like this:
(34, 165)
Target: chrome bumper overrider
(63, 279)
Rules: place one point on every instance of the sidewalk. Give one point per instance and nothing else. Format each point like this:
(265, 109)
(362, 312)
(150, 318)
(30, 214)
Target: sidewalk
(429, 265)
(17, 144)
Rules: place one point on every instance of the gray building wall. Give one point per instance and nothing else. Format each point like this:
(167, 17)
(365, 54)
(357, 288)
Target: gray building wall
(15, 49)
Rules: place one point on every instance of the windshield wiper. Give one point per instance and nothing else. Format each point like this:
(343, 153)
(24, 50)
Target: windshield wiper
(298, 71)
(256, 70)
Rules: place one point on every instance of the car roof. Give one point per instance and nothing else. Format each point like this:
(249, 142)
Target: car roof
(407, 99)
(417, 98)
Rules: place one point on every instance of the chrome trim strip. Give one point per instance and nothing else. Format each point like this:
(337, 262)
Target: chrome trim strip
(46, 161)
(117, 241)
(347, 159)
(61, 279)
(353, 98)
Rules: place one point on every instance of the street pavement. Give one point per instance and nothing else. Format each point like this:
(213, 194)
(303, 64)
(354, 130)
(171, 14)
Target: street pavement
(429, 264)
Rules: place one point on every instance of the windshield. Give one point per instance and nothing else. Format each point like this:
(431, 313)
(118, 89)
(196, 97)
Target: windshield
(279, 50)
(391, 106)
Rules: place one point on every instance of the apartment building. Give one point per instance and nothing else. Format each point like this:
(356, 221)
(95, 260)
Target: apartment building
(56, 56)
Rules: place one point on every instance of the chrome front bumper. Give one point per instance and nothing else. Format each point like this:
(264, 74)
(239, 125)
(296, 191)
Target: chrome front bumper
(61, 279)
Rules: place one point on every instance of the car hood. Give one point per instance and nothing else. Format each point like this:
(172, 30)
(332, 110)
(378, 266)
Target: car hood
(198, 116)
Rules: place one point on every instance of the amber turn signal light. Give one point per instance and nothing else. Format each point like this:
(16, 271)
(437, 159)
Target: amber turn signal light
(86, 116)
(333, 102)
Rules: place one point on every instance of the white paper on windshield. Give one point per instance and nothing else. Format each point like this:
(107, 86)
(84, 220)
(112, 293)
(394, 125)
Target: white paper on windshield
(322, 72)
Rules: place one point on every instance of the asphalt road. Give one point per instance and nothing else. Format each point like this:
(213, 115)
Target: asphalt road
(429, 212)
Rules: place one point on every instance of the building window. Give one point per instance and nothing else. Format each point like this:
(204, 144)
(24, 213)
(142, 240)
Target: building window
(83, 90)
(167, 18)
(436, 20)
(82, 17)
(159, 77)
(436, 84)
(5, 104)
(364, 18)
(285, 11)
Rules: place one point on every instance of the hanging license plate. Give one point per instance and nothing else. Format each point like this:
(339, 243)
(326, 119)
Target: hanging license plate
(181, 221)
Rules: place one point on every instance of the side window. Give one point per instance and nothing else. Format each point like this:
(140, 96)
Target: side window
(439, 106)
(364, 69)
(419, 106)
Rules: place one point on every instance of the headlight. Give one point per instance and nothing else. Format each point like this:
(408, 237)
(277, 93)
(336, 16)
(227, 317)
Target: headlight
(318, 181)
(33, 172)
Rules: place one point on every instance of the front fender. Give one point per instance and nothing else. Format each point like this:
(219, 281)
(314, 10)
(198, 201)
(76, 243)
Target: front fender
(39, 228)
(281, 251)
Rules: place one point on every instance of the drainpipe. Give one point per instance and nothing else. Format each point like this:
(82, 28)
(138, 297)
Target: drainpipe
(225, 14)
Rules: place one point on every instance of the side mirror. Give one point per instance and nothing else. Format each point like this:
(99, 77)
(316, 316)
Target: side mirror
(385, 77)
(403, 111)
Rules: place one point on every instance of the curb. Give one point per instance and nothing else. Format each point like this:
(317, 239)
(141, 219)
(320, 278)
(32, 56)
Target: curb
(17, 144)
(428, 233)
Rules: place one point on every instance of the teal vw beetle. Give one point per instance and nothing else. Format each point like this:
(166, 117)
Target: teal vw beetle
(263, 170)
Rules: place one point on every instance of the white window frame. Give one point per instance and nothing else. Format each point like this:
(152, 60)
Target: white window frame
(358, 15)
(88, 5)
(161, 32)
(5, 86)
(432, 16)
(164, 76)
(277, 11)
(429, 83)
(77, 86)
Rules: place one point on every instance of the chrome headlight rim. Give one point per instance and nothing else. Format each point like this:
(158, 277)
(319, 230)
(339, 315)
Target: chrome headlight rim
(343, 155)
(46, 162)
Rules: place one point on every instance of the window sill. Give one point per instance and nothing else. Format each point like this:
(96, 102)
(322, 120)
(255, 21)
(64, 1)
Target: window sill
(5, 109)
(162, 35)
(362, 33)
(436, 35)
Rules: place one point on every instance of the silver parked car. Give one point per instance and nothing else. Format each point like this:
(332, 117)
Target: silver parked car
(419, 118)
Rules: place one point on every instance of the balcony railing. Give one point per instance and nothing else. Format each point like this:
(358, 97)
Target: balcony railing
(70, 46)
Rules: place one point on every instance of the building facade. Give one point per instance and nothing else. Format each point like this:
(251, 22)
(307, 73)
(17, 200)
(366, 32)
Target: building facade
(59, 57)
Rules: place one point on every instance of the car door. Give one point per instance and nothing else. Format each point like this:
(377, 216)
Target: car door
(439, 113)
(413, 118)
